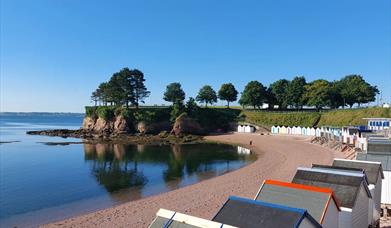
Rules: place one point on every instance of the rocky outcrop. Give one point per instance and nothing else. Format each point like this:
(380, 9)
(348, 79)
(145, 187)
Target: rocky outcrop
(153, 128)
(121, 125)
(88, 123)
(186, 125)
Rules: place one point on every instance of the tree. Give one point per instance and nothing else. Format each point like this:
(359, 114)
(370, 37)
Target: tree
(317, 93)
(207, 95)
(336, 99)
(228, 93)
(354, 89)
(295, 91)
(95, 97)
(174, 93)
(279, 89)
(140, 91)
(254, 94)
(191, 106)
(270, 98)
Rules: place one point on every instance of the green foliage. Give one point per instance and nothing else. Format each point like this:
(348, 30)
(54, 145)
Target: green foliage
(318, 94)
(295, 92)
(254, 94)
(176, 110)
(228, 93)
(211, 119)
(105, 112)
(279, 90)
(124, 87)
(91, 112)
(268, 119)
(354, 89)
(207, 95)
(337, 118)
(140, 90)
(191, 106)
(346, 117)
(174, 93)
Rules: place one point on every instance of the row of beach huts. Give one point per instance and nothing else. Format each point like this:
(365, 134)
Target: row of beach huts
(345, 194)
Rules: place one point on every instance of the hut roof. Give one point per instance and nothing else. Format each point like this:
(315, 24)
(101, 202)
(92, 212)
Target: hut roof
(250, 213)
(314, 199)
(345, 184)
(167, 218)
(372, 169)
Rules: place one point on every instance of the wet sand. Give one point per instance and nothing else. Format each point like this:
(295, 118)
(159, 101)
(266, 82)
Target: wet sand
(278, 158)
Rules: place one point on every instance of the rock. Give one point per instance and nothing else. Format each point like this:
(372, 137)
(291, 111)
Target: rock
(153, 128)
(88, 123)
(103, 126)
(121, 125)
(186, 125)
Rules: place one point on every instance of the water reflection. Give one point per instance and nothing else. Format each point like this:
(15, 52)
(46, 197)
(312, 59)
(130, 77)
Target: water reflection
(119, 166)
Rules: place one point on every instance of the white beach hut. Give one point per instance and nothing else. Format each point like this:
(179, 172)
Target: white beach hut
(308, 131)
(298, 130)
(317, 132)
(304, 131)
(375, 175)
(283, 130)
(312, 131)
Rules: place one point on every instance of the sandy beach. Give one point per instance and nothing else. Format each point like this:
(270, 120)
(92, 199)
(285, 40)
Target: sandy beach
(278, 158)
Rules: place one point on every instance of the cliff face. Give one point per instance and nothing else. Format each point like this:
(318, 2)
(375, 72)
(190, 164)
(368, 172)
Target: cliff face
(118, 125)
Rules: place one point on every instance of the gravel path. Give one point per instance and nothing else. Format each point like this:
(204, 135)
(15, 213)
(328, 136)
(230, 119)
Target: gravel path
(278, 158)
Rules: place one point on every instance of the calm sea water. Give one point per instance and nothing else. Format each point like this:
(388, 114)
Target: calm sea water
(41, 183)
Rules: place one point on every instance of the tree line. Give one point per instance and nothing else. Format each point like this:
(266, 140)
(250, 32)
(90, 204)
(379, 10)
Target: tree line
(127, 87)
(297, 93)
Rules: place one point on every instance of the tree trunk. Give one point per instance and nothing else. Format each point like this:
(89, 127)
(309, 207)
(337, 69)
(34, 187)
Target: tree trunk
(227, 104)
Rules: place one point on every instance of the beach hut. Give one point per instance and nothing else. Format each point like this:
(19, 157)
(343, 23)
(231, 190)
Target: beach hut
(320, 203)
(279, 129)
(378, 124)
(298, 130)
(283, 130)
(249, 213)
(375, 175)
(312, 131)
(303, 131)
(308, 131)
(317, 132)
(166, 218)
(246, 128)
(274, 130)
(240, 128)
(350, 189)
(289, 130)
(385, 159)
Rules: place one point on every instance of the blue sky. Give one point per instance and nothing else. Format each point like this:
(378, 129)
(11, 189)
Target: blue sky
(54, 53)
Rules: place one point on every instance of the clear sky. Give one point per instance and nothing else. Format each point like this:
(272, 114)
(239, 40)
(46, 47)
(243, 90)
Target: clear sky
(54, 53)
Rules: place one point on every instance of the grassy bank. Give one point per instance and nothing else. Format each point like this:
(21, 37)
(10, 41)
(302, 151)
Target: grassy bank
(336, 118)
(268, 119)
(345, 117)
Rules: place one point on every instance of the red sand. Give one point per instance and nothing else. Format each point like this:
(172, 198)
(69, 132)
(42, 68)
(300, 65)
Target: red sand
(278, 158)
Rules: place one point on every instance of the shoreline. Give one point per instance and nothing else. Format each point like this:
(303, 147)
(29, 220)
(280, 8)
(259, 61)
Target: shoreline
(204, 198)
